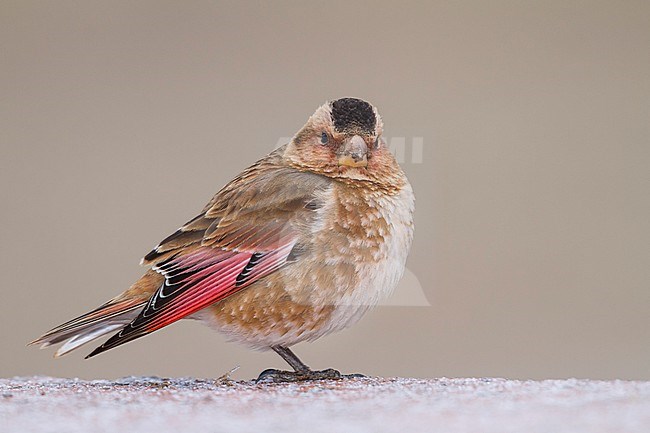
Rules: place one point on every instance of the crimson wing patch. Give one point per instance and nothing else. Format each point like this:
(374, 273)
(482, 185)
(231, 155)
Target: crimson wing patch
(194, 281)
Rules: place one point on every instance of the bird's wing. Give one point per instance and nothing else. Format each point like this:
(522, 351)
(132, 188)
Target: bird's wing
(246, 232)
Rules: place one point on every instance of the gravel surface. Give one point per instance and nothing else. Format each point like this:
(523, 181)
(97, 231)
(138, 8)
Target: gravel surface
(152, 404)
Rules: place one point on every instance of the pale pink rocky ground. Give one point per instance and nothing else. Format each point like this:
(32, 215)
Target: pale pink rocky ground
(143, 405)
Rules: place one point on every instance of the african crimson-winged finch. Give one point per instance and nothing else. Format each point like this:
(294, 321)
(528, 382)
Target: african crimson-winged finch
(299, 245)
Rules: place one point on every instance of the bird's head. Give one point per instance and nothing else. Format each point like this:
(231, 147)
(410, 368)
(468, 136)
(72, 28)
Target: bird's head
(342, 140)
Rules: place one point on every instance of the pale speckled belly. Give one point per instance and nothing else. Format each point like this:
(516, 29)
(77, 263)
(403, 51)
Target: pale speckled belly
(353, 261)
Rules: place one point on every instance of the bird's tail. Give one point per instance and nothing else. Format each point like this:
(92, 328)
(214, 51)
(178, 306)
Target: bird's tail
(113, 315)
(109, 317)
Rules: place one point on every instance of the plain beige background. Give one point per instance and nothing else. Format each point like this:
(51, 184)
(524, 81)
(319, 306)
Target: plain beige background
(120, 119)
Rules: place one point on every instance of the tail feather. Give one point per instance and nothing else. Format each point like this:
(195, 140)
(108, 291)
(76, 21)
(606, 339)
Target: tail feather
(90, 326)
(81, 339)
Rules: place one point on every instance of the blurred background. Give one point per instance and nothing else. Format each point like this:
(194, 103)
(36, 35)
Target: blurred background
(523, 126)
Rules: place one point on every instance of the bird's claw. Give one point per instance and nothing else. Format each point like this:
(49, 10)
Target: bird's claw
(278, 376)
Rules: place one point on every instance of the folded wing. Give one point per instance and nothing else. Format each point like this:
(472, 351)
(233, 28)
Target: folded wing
(245, 233)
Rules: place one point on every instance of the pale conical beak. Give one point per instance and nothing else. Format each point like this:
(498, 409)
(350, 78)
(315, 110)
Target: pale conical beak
(354, 152)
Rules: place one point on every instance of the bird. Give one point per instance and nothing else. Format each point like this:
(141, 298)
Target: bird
(299, 245)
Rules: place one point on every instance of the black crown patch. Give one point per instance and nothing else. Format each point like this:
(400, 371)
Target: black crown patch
(351, 114)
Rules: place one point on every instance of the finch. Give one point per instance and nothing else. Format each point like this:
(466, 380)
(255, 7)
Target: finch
(299, 245)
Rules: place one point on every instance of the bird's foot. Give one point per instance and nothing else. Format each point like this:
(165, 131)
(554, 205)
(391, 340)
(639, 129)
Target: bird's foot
(278, 376)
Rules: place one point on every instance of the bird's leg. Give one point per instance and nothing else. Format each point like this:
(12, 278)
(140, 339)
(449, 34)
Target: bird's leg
(301, 370)
(291, 358)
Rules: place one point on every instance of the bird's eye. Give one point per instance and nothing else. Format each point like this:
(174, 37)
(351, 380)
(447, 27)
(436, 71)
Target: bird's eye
(324, 138)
